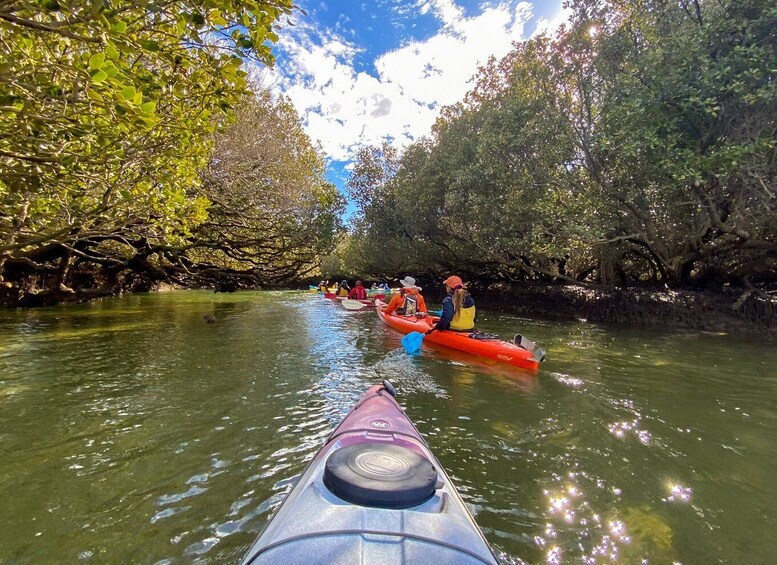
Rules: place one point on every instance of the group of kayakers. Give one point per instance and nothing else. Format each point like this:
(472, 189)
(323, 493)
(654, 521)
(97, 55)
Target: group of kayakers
(458, 306)
(339, 289)
(358, 292)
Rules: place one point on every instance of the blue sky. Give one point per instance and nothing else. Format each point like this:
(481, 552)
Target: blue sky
(360, 72)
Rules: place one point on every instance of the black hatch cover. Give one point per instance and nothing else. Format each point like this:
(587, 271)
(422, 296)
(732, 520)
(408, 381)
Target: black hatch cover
(380, 475)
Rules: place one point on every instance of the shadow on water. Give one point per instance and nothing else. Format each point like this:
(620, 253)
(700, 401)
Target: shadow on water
(133, 429)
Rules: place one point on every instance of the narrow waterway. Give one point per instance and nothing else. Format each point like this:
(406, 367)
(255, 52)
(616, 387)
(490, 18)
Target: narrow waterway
(131, 430)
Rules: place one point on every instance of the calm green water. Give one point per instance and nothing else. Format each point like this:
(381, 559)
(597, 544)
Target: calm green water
(133, 431)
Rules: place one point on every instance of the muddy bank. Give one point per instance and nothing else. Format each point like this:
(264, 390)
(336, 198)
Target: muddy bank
(723, 311)
(35, 295)
(698, 310)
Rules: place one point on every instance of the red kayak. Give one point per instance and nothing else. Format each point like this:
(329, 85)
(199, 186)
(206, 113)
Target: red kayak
(470, 342)
(375, 493)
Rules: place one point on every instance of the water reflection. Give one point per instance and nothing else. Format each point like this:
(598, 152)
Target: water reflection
(131, 430)
(678, 493)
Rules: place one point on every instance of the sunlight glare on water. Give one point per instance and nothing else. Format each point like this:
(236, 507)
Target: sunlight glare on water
(132, 430)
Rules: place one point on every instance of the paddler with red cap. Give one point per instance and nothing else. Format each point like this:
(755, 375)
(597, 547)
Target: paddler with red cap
(458, 307)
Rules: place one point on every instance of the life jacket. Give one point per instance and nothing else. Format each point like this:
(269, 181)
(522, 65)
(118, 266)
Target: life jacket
(409, 306)
(342, 291)
(358, 292)
(464, 319)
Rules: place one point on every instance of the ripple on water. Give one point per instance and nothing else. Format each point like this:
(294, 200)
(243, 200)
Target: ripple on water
(194, 490)
(402, 371)
(635, 444)
(572, 522)
(569, 380)
(269, 471)
(229, 527)
(167, 512)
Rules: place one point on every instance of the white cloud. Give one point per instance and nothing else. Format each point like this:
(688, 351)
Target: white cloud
(345, 109)
(447, 11)
(549, 26)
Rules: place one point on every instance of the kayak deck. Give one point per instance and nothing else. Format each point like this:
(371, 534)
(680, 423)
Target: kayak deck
(394, 501)
(497, 349)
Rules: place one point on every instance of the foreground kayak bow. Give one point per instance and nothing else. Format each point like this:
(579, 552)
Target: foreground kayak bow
(374, 493)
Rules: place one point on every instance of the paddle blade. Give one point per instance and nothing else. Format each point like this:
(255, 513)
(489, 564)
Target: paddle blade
(412, 342)
(353, 304)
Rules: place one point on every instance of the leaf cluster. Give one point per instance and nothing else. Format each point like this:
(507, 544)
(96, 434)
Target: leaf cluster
(108, 112)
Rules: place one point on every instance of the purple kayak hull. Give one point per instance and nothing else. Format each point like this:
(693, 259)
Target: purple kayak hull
(375, 446)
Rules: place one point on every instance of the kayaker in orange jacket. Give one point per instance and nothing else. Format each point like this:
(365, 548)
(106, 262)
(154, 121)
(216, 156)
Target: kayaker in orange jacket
(408, 301)
(358, 292)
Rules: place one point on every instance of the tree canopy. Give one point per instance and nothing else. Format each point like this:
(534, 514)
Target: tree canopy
(107, 116)
(272, 211)
(637, 146)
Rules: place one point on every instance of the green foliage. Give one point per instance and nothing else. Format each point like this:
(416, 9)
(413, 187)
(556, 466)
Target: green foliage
(375, 166)
(272, 209)
(637, 145)
(106, 112)
(107, 115)
(684, 145)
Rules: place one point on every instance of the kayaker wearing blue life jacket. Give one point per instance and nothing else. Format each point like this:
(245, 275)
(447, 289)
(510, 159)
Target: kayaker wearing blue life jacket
(458, 308)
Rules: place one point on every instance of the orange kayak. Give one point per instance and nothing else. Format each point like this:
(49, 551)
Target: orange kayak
(497, 349)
